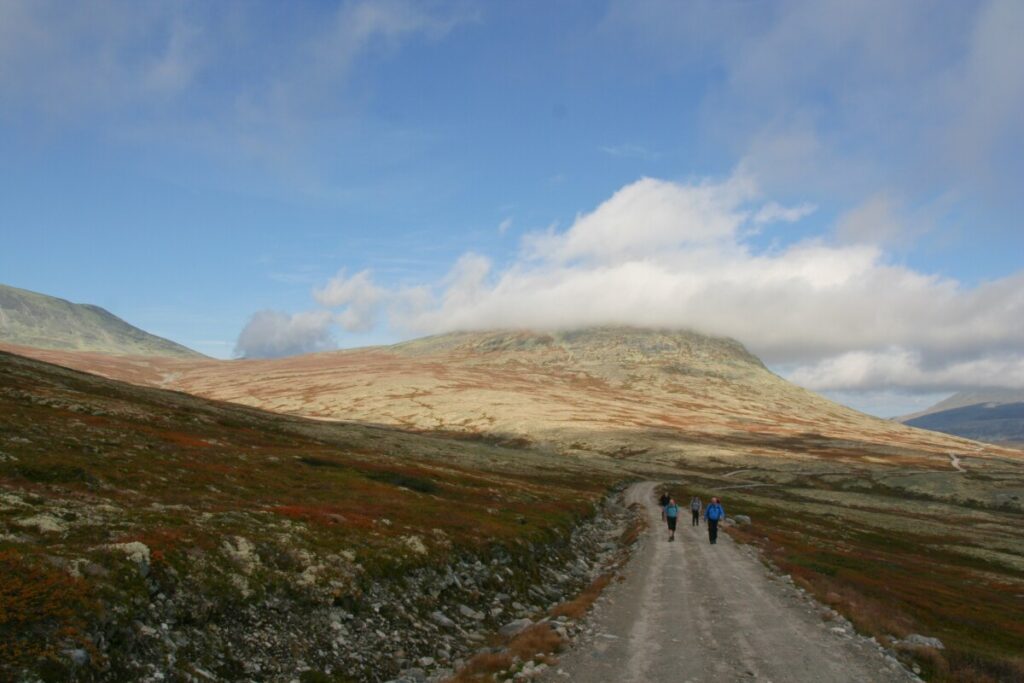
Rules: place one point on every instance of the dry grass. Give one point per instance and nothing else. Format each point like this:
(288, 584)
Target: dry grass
(539, 639)
(482, 667)
(535, 642)
(578, 606)
(636, 527)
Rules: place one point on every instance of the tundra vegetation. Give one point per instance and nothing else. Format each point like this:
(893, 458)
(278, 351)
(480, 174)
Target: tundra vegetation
(114, 496)
(510, 437)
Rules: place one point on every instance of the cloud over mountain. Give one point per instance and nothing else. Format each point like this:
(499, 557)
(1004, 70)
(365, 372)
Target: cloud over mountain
(829, 312)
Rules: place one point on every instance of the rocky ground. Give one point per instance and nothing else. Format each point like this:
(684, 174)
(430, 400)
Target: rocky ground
(420, 626)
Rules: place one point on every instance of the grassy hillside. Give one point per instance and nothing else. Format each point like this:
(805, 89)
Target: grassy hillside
(647, 396)
(36, 320)
(116, 500)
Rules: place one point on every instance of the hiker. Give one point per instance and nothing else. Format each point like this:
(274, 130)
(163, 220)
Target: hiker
(696, 505)
(663, 501)
(671, 516)
(713, 515)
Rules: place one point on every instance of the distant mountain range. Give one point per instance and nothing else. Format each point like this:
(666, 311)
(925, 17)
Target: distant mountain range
(992, 415)
(46, 322)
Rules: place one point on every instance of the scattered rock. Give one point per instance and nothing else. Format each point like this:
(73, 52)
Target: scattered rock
(441, 619)
(513, 627)
(136, 551)
(916, 639)
(44, 522)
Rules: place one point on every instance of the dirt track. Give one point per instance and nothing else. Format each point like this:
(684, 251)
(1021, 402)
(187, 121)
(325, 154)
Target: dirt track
(690, 611)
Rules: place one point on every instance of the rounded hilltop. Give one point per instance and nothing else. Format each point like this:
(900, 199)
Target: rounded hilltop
(609, 344)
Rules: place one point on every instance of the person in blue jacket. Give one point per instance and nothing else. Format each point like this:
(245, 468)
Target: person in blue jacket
(672, 516)
(713, 514)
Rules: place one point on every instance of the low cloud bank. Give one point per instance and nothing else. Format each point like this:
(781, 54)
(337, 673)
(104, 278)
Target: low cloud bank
(271, 334)
(830, 313)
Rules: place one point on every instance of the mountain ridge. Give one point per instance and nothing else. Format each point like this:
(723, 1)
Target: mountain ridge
(993, 415)
(36, 320)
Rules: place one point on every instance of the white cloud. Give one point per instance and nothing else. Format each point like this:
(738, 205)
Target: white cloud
(903, 367)
(504, 225)
(271, 334)
(668, 254)
(647, 216)
(874, 222)
(68, 60)
(359, 297)
(232, 82)
(773, 212)
(838, 99)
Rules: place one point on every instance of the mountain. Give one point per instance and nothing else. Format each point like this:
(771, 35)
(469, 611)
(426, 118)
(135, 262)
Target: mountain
(650, 395)
(992, 415)
(40, 321)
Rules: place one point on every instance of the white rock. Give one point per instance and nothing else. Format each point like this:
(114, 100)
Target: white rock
(45, 522)
(136, 551)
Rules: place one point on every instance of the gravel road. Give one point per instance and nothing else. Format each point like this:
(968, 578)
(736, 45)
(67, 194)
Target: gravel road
(691, 611)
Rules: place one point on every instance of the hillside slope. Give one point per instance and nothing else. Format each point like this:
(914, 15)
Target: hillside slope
(148, 534)
(37, 320)
(653, 396)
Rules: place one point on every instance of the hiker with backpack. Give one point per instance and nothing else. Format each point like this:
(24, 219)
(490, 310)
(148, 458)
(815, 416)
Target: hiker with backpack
(713, 515)
(696, 505)
(671, 513)
(663, 503)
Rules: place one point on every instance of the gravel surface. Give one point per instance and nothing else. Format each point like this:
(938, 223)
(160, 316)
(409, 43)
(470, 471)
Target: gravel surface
(692, 611)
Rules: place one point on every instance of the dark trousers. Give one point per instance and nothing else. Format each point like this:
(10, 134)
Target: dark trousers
(696, 517)
(713, 530)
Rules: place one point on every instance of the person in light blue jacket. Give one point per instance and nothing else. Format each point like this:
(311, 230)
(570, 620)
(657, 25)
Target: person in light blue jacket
(713, 514)
(672, 516)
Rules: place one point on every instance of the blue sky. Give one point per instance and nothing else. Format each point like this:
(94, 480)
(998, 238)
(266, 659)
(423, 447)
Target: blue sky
(838, 185)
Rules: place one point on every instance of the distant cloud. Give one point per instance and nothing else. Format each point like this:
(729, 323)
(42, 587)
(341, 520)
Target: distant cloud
(840, 99)
(359, 297)
(68, 60)
(858, 370)
(504, 226)
(773, 212)
(271, 334)
(665, 254)
(206, 75)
